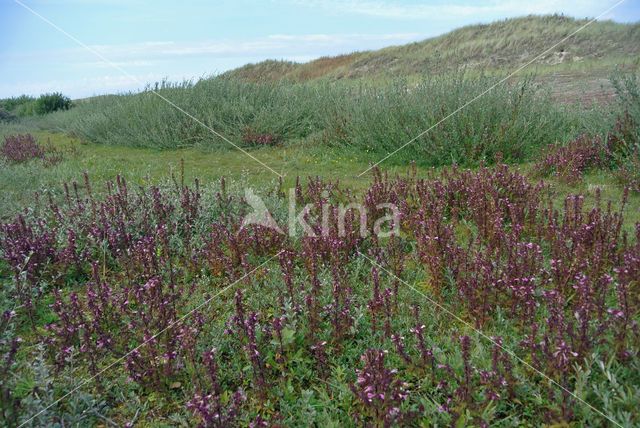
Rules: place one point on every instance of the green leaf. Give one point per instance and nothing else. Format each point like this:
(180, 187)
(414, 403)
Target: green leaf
(287, 335)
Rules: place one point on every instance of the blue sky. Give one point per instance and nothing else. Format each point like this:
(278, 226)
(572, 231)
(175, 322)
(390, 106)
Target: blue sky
(189, 39)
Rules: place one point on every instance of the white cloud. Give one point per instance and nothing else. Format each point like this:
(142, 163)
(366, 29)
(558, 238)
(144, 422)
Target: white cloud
(275, 44)
(146, 54)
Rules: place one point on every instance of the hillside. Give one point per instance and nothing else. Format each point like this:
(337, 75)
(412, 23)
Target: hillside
(502, 44)
(577, 67)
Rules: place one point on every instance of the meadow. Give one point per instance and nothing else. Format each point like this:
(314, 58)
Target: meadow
(132, 294)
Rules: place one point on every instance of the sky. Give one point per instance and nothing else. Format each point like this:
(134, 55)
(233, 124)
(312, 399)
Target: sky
(112, 46)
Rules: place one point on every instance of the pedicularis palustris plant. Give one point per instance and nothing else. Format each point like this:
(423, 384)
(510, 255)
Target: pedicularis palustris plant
(113, 276)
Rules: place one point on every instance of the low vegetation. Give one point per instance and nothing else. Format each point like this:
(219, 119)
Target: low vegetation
(615, 150)
(503, 290)
(357, 118)
(23, 106)
(18, 149)
(158, 266)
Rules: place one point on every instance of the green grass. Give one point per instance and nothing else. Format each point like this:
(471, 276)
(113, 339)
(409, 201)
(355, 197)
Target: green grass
(138, 166)
(18, 183)
(610, 190)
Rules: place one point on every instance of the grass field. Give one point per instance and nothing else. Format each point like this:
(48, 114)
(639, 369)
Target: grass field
(142, 166)
(501, 289)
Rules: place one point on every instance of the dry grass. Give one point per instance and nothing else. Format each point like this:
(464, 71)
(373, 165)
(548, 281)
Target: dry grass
(324, 66)
(499, 46)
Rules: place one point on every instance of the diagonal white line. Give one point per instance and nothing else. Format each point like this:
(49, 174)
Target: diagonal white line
(484, 335)
(491, 88)
(123, 71)
(179, 320)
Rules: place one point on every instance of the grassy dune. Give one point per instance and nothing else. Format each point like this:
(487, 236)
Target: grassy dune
(496, 46)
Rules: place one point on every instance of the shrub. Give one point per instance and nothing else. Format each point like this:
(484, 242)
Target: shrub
(49, 103)
(18, 106)
(5, 116)
(364, 118)
(624, 138)
(627, 87)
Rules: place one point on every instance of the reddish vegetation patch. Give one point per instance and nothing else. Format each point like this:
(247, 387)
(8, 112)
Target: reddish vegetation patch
(629, 172)
(255, 137)
(21, 148)
(570, 161)
(323, 66)
(266, 71)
